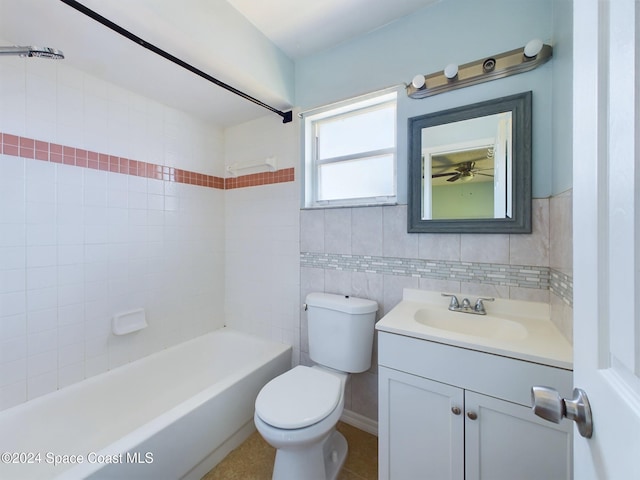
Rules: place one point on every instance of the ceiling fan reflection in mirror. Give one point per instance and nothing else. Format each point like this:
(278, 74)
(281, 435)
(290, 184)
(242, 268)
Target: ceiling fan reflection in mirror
(463, 165)
(464, 171)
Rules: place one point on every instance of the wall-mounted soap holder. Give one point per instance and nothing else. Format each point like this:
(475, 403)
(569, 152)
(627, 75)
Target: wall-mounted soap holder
(129, 322)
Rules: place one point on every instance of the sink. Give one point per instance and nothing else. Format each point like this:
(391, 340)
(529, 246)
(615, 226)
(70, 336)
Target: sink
(511, 328)
(487, 326)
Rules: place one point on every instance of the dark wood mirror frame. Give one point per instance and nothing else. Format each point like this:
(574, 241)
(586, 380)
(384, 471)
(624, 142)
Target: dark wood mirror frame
(520, 107)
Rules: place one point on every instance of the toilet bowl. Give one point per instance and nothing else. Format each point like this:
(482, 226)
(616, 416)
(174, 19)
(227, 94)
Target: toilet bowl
(297, 412)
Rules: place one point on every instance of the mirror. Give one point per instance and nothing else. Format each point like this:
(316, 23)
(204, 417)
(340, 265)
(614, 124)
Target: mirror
(470, 168)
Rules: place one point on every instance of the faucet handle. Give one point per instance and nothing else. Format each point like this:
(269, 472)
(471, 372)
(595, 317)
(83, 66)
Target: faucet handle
(454, 300)
(480, 305)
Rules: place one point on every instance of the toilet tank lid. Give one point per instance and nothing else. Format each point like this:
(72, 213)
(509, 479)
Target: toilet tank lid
(341, 303)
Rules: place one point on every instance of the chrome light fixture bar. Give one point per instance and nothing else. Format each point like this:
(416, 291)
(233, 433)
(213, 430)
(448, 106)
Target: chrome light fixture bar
(31, 51)
(520, 60)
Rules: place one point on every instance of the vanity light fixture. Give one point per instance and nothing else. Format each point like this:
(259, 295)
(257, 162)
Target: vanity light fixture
(418, 81)
(520, 60)
(451, 71)
(532, 48)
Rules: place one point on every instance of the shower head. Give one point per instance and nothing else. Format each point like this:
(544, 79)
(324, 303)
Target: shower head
(31, 51)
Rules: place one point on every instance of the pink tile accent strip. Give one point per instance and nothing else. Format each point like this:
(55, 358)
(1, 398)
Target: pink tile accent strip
(256, 179)
(24, 147)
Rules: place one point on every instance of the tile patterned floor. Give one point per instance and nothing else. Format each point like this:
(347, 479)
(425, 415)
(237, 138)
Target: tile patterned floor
(253, 460)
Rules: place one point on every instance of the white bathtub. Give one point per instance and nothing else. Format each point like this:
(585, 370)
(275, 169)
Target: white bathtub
(171, 415)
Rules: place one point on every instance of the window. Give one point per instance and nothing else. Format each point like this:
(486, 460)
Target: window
(350, 154)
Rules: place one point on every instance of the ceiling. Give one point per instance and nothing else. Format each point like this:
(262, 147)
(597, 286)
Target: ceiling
(203, 33)
(303, 27)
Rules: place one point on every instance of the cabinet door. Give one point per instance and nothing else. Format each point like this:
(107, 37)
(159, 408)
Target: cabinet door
(507, 441)
(421, 435)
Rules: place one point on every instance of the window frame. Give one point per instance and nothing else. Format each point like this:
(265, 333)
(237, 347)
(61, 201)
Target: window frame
(312, 164)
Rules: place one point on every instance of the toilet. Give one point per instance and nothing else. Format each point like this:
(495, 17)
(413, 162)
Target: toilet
(297, 412)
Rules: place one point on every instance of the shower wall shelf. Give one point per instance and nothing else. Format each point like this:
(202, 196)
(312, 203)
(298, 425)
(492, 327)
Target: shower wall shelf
(490, 68)
(269, 164)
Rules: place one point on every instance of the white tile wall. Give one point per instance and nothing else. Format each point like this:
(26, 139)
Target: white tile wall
(262, 228)
(262, 269)
(79, 245)
(80, 263)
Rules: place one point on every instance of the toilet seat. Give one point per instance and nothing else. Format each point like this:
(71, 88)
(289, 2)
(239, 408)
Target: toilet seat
(298, 398)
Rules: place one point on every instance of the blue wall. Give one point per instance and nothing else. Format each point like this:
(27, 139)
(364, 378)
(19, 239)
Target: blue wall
(458, 31)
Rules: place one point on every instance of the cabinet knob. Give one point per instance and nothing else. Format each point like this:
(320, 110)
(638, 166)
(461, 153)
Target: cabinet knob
(472, 415)
(456, 410)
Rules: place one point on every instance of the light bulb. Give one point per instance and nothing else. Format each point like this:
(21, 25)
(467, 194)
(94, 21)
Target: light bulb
(451, 70)
(532, 48)
(418, 81)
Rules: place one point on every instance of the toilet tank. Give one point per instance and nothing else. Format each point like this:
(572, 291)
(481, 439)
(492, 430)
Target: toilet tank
(340, 331)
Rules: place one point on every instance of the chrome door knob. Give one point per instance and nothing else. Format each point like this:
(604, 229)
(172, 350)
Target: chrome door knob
(547, 403)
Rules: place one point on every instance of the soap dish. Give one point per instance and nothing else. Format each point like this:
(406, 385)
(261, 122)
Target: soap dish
(129, 322)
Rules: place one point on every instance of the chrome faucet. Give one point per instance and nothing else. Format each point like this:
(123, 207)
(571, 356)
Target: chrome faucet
(465, 306)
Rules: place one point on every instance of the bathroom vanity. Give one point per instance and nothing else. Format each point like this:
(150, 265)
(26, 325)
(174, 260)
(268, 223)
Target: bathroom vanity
(455, 391)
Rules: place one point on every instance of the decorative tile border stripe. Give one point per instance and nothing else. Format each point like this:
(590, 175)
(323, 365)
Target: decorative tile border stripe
(30, 148)
(495, 274)
(561, 285)
(256, 179)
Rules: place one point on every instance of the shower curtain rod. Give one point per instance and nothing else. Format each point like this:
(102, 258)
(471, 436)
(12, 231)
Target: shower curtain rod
(286, 116)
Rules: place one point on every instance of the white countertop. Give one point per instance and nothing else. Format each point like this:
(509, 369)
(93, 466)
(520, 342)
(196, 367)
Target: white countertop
(540, 341)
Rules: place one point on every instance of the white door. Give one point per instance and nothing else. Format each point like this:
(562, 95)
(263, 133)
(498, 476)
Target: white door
(606, 201)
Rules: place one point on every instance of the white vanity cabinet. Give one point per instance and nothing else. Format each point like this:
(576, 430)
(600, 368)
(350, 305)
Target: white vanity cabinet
(448, 412)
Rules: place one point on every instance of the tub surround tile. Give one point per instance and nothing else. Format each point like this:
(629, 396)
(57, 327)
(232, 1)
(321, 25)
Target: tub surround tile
(13, 394)
(257, 179)
(30, 148)
(90, 243)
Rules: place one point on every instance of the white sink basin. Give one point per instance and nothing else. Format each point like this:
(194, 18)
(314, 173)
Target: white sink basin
(511, 328)
(487, 326)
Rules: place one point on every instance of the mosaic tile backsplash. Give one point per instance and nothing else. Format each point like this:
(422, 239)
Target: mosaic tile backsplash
(494, 274)
(487, 273)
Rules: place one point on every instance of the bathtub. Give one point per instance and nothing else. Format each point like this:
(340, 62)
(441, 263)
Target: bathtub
(171, 415)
